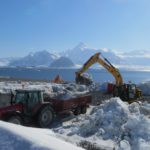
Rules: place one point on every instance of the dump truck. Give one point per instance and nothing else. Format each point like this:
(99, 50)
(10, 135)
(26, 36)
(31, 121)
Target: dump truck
(28, 106)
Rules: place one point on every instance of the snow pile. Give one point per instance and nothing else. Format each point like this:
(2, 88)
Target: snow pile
(106, 120)
(7, 87)
(126, 125)
(74, 90)
(62, 91)
(86, 75)
(15, 137)
(145, 109)
(145, 87)
(137, 132)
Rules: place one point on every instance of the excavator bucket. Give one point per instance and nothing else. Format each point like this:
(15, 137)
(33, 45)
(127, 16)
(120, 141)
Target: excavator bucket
(81, 79)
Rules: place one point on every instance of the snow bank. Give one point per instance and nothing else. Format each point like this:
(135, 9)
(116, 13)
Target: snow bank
(15, 137)
(7, 87)
(127, 125)
(106, 120)
(137, 132)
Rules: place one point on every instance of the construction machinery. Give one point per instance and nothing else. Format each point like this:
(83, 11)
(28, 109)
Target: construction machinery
(127, 92)
(27, 106)
(34, 107)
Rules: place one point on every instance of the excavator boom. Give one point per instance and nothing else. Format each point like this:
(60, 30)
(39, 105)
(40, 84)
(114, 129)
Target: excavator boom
(105, 63)
(124, 91)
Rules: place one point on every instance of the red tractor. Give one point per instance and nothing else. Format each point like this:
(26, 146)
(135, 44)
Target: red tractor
(27, 106)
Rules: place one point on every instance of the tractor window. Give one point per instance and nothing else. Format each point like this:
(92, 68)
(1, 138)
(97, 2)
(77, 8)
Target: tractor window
(20, 98)
(40, 96)
(33, 99)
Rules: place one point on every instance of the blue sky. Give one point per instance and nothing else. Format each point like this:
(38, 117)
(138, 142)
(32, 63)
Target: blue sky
(32, 25)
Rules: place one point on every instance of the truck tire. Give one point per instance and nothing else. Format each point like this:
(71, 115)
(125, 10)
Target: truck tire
(45, 117)
(15, 120)
(83, 109)
(77, 111)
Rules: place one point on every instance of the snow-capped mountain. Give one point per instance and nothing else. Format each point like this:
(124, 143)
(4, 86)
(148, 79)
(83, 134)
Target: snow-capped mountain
(6, 61)
(41, 58)
(81, 53)
(62, 62)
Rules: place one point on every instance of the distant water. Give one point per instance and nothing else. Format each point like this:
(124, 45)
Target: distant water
(69, 74)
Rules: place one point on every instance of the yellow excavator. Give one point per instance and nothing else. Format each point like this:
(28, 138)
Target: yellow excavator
(127, 92)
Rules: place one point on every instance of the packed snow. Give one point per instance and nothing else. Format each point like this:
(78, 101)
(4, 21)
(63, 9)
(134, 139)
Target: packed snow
(114, 124)
(61, 91)
(16, 137)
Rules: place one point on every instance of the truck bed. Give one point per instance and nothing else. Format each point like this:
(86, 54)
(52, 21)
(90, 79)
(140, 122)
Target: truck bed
(60, 105)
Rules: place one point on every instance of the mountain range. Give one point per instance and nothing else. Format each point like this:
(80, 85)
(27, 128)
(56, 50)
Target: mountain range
(78, 55)
(38, 59)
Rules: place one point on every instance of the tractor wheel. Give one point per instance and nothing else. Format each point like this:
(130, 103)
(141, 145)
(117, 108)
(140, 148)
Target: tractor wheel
(45, 117)
(83, 109)
(77, 111)
(15, 120)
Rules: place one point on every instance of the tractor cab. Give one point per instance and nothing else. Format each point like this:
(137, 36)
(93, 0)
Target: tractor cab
(130, 93)
(27, 106)
(30, 99)
(21, 96)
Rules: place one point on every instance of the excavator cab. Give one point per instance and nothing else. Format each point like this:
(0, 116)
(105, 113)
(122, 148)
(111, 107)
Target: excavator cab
(134, 91)
(131, 91)
(127, 92)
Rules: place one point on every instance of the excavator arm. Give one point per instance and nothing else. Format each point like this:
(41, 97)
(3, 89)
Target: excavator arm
(127, 92)
(105, 63)
(114, 71)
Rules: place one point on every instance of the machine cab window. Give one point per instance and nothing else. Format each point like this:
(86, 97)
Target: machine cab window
(132, 88)
(33, 99)
(19, 98)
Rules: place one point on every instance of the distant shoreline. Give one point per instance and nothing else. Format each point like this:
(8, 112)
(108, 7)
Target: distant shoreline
(68, 75)
(3, 78)
(75, 68)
